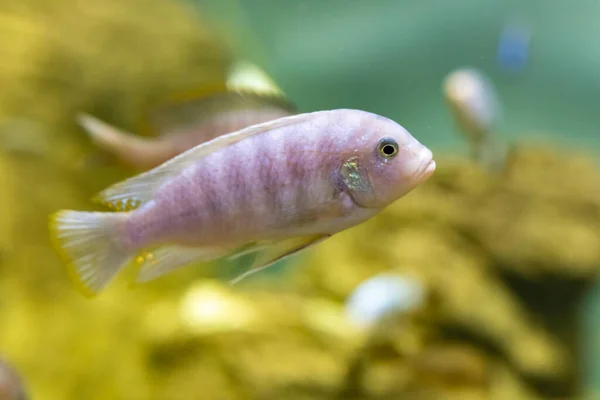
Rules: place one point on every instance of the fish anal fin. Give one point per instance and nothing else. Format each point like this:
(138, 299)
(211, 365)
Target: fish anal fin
(267, 255)
(121, 204)
(162, 260)
(142, 187)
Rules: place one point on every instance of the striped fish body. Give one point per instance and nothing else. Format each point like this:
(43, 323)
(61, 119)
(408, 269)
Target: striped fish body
(275, 185)
(272, 189)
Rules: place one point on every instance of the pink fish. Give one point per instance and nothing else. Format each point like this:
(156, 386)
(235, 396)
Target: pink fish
(272, 189)
(183, 125)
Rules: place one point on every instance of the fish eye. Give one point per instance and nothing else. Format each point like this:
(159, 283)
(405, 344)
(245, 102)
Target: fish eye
(387, 147)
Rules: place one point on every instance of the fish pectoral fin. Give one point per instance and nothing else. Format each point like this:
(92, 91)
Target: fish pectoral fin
(245, 250)
(160, 261)
(269, 254)
(141, 187)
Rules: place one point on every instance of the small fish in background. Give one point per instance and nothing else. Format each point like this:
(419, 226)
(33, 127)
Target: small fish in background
(11, 384)
(381, 296)
(514, 46)
(272, 190)
(474, 105)
(252, 98)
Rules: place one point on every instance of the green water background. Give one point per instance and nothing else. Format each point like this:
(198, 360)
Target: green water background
(390, 57)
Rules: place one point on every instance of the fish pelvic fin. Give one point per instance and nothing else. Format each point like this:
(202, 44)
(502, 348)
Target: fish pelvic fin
(140, 189)
(163, 260)
(89, 244)
(267, 255)
(156, 263)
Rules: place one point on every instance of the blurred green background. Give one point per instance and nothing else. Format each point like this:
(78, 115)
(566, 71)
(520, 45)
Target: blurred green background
(391, 56)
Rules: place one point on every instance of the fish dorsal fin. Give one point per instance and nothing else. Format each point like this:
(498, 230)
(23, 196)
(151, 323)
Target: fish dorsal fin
(173, 117)
(141, 188)
(245, 75)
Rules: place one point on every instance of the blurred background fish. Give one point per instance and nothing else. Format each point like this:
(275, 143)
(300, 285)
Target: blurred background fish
(251, 98)
(382, 296)
(476, 110)
(184, 126)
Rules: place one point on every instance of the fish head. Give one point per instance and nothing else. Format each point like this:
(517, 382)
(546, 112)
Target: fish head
(387, 164)
(472, 99)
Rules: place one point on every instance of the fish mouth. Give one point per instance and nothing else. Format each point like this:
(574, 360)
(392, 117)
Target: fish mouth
(425, 170)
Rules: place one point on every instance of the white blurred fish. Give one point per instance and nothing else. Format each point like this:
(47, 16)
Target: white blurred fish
(474, 105)
(177, 125)
(381, 296)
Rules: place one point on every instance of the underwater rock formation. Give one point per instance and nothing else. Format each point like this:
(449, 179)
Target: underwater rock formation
(272, 345)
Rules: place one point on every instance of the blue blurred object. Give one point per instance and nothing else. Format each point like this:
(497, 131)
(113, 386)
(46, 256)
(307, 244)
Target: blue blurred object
(513, 48)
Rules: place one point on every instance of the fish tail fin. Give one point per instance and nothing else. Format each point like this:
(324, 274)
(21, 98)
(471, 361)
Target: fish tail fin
(135, 150)
(90, 245)
(101, 133)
